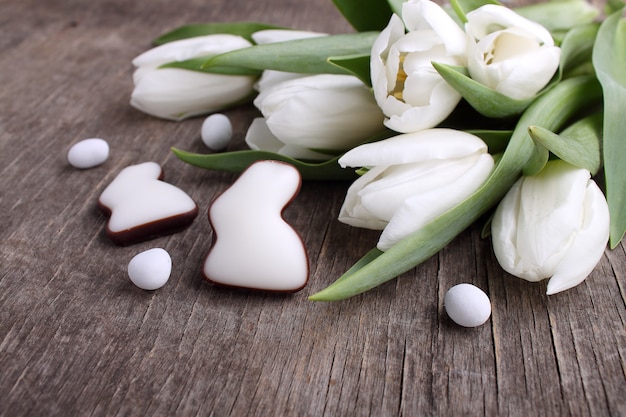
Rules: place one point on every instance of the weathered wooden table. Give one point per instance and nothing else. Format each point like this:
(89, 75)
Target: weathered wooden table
(78, 339)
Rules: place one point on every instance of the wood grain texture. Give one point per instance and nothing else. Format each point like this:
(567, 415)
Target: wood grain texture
(78, 339)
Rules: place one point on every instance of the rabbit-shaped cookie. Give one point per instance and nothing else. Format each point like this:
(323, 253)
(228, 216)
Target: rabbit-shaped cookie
(253, 246)
(141, 206)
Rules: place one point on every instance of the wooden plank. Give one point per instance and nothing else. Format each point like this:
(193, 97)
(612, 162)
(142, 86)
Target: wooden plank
(76, 338)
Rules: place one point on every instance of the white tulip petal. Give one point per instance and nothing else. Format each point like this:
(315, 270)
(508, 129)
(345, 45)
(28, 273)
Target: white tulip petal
(481, 21)
(268, 80)
(392, 107)
(522, 79)
(281, 35)
(550, 213)
(443, 101)
(513, 42)
(384, 196)
(176, 94)
(414, 147)
(388, 36)
(504, 232)
(321, 82)
(334, 112)
(352, 212)
(421, 208)
(185, 49)
(379, 54)
(414, 178)
(419, 41)
(322, 128)
(588, 246)
(379, 81)
(141, 72)
(259, 137)
(417, 63)
(424, 14)
(393, 69)
(419, 87)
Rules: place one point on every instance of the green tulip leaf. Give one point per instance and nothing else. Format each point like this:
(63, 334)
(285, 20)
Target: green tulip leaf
(463, 7)
(364, 261)
(496, 140)
(550, 110)
(306, 56)
(557, 15)
(196, 64)
(357, 65)
(237, 161)
(243, 29)
(576, 48)
(613, 6)
(578, 145)
(396, 6)
(537, 161)
(609, 61)
(486, 101)
(365, 15)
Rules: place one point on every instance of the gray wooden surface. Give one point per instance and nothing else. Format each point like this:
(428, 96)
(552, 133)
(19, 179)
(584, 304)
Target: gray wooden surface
(78, 339)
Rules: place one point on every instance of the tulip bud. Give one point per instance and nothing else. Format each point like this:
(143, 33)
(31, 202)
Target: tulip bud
(412, 179)
(553, 224)
(407, 87)
(175, 93)
(323, 112)
(509, 53)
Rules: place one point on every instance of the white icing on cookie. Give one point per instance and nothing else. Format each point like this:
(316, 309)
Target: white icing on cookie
(142, 206)
(254, 247)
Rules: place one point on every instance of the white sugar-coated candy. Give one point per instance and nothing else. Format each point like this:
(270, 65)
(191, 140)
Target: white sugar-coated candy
(216, 132)
(467, 305)
(151, 269)
(88, 153)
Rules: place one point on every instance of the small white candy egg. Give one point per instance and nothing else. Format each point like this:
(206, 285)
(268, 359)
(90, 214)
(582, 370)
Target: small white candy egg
(216, 132)
(88, 153)
(467, 305)
(150, 270)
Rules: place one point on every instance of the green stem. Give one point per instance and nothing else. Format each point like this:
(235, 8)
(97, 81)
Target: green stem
(550, 111)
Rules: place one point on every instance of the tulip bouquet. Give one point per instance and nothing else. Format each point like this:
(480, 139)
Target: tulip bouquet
(442, 113)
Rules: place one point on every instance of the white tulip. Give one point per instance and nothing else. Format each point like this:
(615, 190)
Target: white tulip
(412, 179)
(509, 53)
(407, 87)
(324, 112)
(554, 224)
(176, 94)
